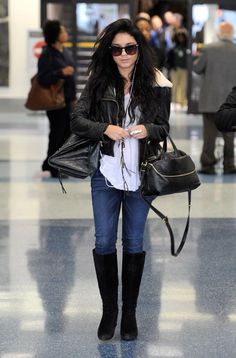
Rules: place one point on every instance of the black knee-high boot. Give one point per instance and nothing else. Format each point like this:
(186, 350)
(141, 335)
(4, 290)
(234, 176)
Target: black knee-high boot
(107, 276)
(132, 269)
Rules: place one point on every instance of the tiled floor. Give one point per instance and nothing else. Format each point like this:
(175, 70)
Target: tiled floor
(49, 301)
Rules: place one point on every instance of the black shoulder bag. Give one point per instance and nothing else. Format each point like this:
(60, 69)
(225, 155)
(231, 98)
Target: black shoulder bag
(78, 157)
(165, 173)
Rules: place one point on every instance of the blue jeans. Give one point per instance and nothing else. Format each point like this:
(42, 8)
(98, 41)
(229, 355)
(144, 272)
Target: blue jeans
(106, 209)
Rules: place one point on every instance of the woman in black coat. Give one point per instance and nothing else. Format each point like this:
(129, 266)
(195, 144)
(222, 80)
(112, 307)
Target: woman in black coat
(56, 63)
(125, 105)
(226, 116)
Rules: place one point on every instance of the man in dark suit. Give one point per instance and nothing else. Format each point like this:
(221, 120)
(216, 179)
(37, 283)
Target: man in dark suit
(216, 65)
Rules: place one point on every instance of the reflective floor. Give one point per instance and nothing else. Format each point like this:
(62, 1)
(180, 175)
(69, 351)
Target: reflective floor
(49, 300)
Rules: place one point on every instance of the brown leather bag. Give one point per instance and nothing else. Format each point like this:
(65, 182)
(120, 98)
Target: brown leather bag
(45, 97)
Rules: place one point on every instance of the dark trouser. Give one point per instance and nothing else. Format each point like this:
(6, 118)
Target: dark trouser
(59, 121)
(210, 132)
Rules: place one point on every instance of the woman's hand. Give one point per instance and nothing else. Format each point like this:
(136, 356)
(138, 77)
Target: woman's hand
(68, 71)
(141, 131)
(116, 132)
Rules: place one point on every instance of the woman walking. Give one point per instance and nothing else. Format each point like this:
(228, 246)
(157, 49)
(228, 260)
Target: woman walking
(125, 105)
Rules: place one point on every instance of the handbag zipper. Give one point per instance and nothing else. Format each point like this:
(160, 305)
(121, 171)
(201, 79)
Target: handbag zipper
(171, 176)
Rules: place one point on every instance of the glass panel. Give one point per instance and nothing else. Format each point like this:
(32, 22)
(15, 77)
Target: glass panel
(93, 18)
(3, 8)
(63, 13)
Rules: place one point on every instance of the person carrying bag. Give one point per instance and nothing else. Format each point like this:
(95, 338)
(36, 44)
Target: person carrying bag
(56, 71)
(125, 102)
(124, 107)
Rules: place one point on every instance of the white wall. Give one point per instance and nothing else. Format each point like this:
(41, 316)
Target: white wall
(24, 15)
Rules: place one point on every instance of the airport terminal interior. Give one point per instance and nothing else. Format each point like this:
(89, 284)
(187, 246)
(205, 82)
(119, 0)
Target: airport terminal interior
(49, 299)
(50, 305)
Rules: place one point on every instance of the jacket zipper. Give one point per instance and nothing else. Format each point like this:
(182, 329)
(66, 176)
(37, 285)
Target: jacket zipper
(117, 104)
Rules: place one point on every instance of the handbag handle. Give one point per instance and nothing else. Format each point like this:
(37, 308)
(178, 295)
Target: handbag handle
(166, 221)
(172, 142)
(162, 148)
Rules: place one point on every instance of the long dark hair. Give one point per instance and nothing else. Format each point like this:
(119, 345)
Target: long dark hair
(103, 71)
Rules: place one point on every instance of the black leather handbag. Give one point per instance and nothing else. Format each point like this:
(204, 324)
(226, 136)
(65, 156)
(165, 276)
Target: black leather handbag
(78, 157)
(165, 173)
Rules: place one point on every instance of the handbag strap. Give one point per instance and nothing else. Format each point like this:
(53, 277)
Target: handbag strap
(166, 221)
(174, 252)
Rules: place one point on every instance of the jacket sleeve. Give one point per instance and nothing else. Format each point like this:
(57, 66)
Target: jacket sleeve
(160, 126)
(47, 75)
(81, 124)
(200, 63)
(225, 120)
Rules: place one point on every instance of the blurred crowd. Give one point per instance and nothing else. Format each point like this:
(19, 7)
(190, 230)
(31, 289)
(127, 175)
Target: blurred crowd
(168, 39)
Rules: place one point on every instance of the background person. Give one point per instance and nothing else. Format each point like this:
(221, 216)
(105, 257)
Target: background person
(169, 26)
(173, 22)
(177, 65)
(144, 15)
(125, 103)
(158, 38)
(216, 65)
(144, 25)
(56, 63)
(225, 119)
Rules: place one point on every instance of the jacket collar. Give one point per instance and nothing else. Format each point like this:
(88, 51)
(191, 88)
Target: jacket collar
(110, 93)
(161, 81)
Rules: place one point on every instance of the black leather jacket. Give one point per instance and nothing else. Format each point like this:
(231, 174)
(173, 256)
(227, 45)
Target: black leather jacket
(83, 126)
(225, 119)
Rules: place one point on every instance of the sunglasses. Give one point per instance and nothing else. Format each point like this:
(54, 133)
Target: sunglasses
(129, 49)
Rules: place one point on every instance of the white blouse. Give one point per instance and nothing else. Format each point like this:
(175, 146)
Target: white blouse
(111, 167)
